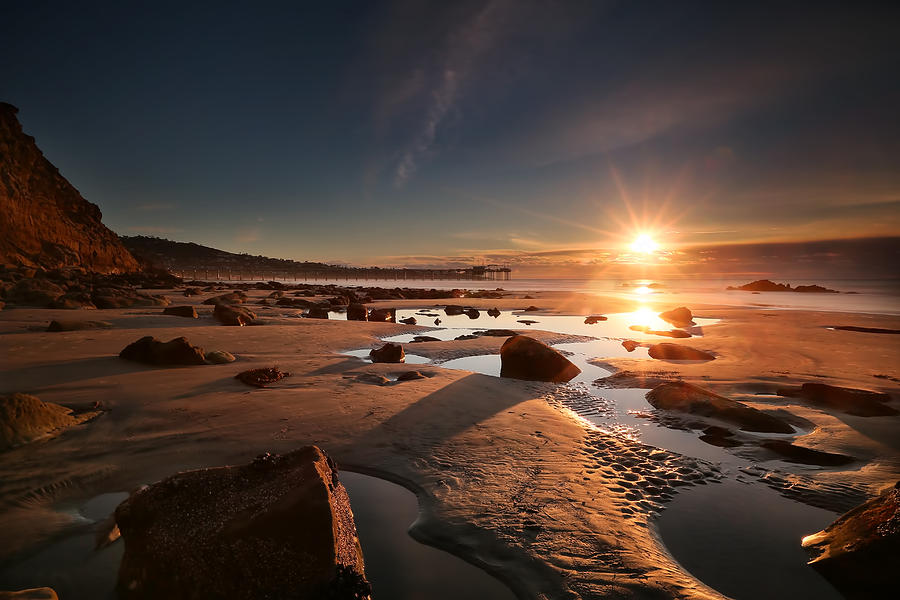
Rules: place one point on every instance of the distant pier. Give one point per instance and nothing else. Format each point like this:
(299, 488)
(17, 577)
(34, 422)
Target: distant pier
(478, 273)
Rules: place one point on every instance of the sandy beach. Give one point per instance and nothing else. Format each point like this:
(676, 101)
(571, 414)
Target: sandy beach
(507, 476)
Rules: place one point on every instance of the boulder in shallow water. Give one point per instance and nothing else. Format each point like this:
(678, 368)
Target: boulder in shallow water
(861, 403)
(522, 357)
(280, 527)
(233, 315)
(679, 317)
(151, 351)
(357, 312)
(668, 351)
(408, 321)
(181, 311)
(383, 314)
(630, 345)
(590, 320)
(691, 399)
(858, 553)
(317, 312)
(389, 353)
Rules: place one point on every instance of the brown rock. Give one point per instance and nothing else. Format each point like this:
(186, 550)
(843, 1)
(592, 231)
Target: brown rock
(317, 312)
(280, 527)
(357, 312)
(667, 351)
(410, 376)
(219, 357)
(425, 338)
(858, 553)
(679, 317)
(45, 220)
(383, 314)
(862, 403)
(24, 418)
(261, 377)
(497, 332)
(691, 399)
(472, 313)
(630, 345)
(77, 325)
(230, 298)
(389, 353)
(522, 357)
(181, 311)
(594, 319)
(453, 309)
(805, 456)
(151, 351)
(34, 292)
(493, 312)
(233, 315)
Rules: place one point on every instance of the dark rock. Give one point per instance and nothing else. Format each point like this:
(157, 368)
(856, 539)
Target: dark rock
(594, 319)
(531, 308)
(181, 311)
(408, 321)
(861, 403)
(77, 325)
(522, 357)
(858, 553)
(280, 527)
(493, 312)
(110, 298)
(667, 351)
(453, 309)
(866, 329)
(527, 321)
(805, 456)
(229, 298)
(73, 300)
(261, 377)
(151, 351)
(690, 399)
(410, 376)
(497, 332)
(762, 285)
(389, 353)
(357, 312)
(192, 291)
(425, 338)
(472, 313)
(236, 316)
(46, 222)
(679, 317)
(635, 379)
(317, 312)
(383, 314)
(814, 289)
(437, 321)
(34, 292)
(466, 336)
(630, 345)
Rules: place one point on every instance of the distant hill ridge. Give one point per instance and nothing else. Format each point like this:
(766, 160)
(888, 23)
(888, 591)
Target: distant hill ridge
(44, 221)
(169, 254)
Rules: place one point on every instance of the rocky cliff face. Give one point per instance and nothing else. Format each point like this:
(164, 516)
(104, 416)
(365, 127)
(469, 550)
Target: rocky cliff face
(44, 221)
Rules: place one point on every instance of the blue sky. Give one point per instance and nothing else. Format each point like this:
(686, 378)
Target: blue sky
(433, 132)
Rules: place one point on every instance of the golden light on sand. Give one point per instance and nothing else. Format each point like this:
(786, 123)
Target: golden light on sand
(644, 244)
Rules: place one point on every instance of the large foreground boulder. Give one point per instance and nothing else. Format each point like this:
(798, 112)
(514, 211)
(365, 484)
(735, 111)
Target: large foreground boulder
(858, 552)
(522, 357)
(861, 403)
(151, 351)
(24, 418)
(389, 353)
(233, 315)
(691, 399)
(668, 351)
(280, 527)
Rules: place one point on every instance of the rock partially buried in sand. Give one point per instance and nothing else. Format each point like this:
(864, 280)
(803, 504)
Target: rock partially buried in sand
(805, 456)
(630, 345)
(858, 553)
(861, 403)
(684, 397)
(389, 353)
(181, 311)
(219, 357)
(522, 357)
(151, 351)
(667, 351)
(280, 527)
(424, 338)
(594, 319)
(679, 317)
(496, 333)
(77, 325)
(233, 315)
(43, 593)
(261, 377)
(410, 376)
(25, 418)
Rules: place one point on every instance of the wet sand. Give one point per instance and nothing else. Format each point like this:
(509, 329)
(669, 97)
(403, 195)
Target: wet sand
(506, 474)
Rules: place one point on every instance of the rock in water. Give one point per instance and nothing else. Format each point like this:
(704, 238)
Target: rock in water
(590, 320)
(317, 312)
(45, 220)
(408, 321)
(858, 552)
(389, 353)
(24, 418)
(233, 315)
(151, 351)
(684, 397)
(679, 317)
(280, 527)
(522, 357)
(861, 403)
(667, 351)
(383, 314)
(357, 312)
(181, 311)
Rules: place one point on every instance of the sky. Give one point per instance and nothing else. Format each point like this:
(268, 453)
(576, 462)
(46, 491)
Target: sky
(547, 135)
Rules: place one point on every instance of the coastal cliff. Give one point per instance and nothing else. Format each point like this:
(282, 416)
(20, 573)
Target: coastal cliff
(44, 220)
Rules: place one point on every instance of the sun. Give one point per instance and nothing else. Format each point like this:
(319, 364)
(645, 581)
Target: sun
(644, 244)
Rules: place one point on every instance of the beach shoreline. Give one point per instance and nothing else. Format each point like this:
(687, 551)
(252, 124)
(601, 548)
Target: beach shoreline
(507, 477)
